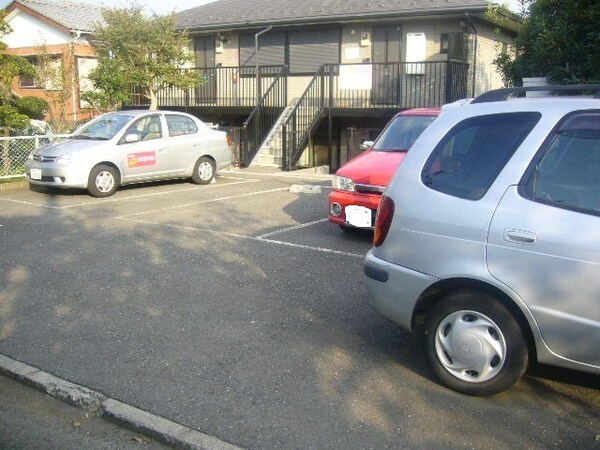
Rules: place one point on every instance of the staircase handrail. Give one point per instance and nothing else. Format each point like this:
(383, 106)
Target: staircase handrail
(260, 133)
(289, 158)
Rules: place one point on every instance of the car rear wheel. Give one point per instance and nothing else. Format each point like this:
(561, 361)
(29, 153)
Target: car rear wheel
(204, 171)
(474, 345)
(103, 181)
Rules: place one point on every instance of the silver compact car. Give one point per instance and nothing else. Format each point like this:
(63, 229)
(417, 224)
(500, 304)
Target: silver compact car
(131, 147)
(488, 239)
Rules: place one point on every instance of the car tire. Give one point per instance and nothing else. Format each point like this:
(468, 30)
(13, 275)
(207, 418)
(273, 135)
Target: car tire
(204, 171)
(103, 181)
(474, 345)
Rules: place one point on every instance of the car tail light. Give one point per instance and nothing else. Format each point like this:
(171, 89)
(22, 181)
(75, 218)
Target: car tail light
(385, 214)
(229, 140)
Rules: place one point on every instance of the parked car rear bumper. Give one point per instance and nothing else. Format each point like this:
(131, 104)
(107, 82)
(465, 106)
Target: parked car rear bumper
(394, 290)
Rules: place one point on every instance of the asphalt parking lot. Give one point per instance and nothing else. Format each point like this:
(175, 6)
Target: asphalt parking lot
(237, 310)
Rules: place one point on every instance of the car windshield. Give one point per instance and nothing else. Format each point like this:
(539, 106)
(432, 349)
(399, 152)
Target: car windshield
(103, 128)
(402, 133)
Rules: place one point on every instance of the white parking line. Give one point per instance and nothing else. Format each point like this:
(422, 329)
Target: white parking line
(296, 227)
(241, 236)
(203, 202)
(130, 197)
(155, 194)
(21, 202)
(314, 176)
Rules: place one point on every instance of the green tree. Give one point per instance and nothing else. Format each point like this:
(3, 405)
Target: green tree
(112, 86)
(33, 107)
(11, 67)
(558, 39)
(134, 49)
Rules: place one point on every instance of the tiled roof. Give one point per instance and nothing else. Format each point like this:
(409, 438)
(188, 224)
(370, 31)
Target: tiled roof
(71, 15)
(237, 13)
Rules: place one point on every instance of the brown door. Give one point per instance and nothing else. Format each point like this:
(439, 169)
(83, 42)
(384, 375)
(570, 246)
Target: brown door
(204, 49)
(386, 56)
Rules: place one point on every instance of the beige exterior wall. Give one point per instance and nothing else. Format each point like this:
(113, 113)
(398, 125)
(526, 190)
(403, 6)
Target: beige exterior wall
(488, 47)
(355, 49)
(229, 57)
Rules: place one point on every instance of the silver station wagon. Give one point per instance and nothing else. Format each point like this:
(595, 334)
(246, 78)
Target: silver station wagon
(131, 147)
(488, 239)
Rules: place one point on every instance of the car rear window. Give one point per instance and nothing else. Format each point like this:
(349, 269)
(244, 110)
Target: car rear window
(469, 158)
(401, 133)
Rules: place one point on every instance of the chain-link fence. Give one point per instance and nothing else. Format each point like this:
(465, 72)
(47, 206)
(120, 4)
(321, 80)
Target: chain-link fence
(14, 151)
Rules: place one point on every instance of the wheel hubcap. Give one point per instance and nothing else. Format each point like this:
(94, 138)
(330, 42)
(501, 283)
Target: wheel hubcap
(205, 171)
(105, 181)
(470, 346)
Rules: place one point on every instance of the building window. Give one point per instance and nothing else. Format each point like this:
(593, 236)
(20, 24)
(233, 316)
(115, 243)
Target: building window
(30, 82)
(454, 45)
(310, 49)
(50, 73)
(444, 38)
(304, 51)
(271, 49)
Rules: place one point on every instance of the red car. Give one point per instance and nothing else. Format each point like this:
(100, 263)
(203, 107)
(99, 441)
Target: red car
(359, 184)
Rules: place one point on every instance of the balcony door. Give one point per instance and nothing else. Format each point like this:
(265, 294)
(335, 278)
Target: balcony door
(387, 42)
(204, 49)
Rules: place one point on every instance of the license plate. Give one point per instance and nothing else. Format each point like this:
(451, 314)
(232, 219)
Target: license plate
(35, 174)
(358, 216)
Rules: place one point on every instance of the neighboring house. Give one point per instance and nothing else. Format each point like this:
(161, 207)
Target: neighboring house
(56, 33)
(331, 69)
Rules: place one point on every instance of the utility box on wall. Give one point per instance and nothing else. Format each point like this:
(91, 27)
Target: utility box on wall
(416, 50)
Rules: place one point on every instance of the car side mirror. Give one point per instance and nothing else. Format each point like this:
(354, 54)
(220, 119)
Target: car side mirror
(366, 145)
(133, 137)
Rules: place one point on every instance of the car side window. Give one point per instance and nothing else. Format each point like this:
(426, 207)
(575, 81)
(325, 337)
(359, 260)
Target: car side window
(180, 125)
(147, 128)
(566, 171)
(469, 158)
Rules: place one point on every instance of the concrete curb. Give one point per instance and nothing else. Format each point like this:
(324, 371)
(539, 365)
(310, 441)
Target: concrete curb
(138, 420)
(14, 185)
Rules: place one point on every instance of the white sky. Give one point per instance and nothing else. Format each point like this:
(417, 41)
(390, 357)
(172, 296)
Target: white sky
(158, 6)
(167, 6)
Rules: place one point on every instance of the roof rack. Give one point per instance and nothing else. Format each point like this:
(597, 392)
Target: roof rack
(498, 95)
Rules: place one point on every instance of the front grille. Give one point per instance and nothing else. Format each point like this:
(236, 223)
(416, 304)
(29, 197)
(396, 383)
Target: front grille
(43, 159)
(369, 189)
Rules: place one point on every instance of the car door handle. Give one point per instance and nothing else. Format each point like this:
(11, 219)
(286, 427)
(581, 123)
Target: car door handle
(519, 236)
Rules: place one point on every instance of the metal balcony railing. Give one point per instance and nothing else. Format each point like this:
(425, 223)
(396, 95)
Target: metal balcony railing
(221, 87)
(335, 87)
(393, 86)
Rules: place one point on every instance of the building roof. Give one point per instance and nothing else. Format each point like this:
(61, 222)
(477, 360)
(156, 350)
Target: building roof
(70, 15)
(243, 13)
